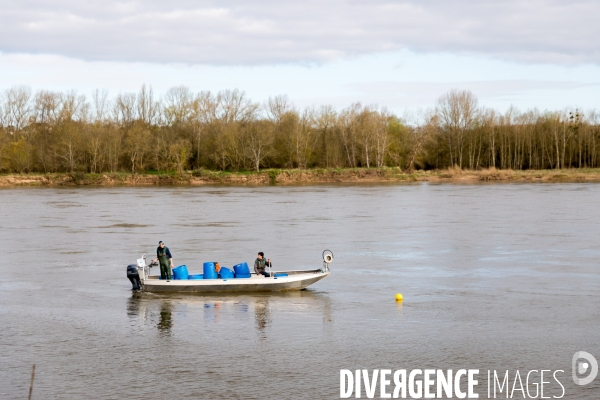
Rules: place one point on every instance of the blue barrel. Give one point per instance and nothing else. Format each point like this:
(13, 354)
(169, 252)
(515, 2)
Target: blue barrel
(280, 275)
(196, 276)
(226, 273)
(209, 271)
(242, 270)
(180, 273)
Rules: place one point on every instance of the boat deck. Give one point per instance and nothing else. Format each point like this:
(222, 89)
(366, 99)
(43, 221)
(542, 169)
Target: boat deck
(296, 280)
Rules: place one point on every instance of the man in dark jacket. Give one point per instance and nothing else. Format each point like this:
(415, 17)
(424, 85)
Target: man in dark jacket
(260, 264)
(163, 255)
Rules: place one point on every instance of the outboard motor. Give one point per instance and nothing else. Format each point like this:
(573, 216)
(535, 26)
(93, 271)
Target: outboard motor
(134, 277)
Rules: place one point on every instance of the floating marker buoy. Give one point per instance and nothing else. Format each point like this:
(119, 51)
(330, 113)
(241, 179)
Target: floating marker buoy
(399, 297)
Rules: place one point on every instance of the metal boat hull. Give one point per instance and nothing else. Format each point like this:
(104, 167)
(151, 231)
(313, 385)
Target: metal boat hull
(296, 280)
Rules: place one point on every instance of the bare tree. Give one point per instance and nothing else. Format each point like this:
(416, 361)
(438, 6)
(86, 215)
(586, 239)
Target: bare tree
(16, 106)
(425, 128)
(348, 131)
(257, 138)
(47, 106)
(100, 105)
(381, 136)
(124, 109)
(488, 119)
(203, 113)
(137, 145)
(305, 136)
(325, 122)
(74, 107)
(276, 107)
(178, 102)
(68, 144)
(234, 106)
(147, 108)
(457, 112)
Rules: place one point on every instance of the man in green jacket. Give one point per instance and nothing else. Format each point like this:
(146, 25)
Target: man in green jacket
(260, 264)
(163, 255)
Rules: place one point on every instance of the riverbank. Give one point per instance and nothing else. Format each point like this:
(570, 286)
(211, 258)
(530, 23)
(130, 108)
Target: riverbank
(295, 176)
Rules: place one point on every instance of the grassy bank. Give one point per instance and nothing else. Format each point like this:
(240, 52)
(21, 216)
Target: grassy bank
(294, 176)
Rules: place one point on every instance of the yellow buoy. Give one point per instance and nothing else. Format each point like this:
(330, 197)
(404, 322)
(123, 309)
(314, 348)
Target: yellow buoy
(399, 297)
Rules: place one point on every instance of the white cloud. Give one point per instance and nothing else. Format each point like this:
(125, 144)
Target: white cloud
(396, 80)
(235, 32)
(411, 94)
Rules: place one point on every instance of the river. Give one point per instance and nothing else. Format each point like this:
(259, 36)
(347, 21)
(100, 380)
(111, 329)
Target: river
(494, 277)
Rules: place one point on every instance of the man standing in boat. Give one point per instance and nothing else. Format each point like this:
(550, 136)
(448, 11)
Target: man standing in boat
(261, 263)
(163, 255)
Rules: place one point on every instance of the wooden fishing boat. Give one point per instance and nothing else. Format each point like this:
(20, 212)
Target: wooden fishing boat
(278, 281)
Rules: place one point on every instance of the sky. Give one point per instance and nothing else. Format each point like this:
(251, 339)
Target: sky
(399, 54)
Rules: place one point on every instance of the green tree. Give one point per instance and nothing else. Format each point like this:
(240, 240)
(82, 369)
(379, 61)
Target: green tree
(18, 155)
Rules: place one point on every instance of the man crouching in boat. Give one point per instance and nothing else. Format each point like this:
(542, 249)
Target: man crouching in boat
(166, 261)
(261, 263)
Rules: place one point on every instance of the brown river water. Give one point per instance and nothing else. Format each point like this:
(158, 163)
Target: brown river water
(494, 277)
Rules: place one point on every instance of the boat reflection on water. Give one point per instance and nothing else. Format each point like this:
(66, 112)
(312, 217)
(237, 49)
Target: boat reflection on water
(165, 323)
(134, 305)
(262, 313)
(166, 310)
(212, 311)
(159, 313)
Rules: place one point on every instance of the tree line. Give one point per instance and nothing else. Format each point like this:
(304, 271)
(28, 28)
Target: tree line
(138, 132)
